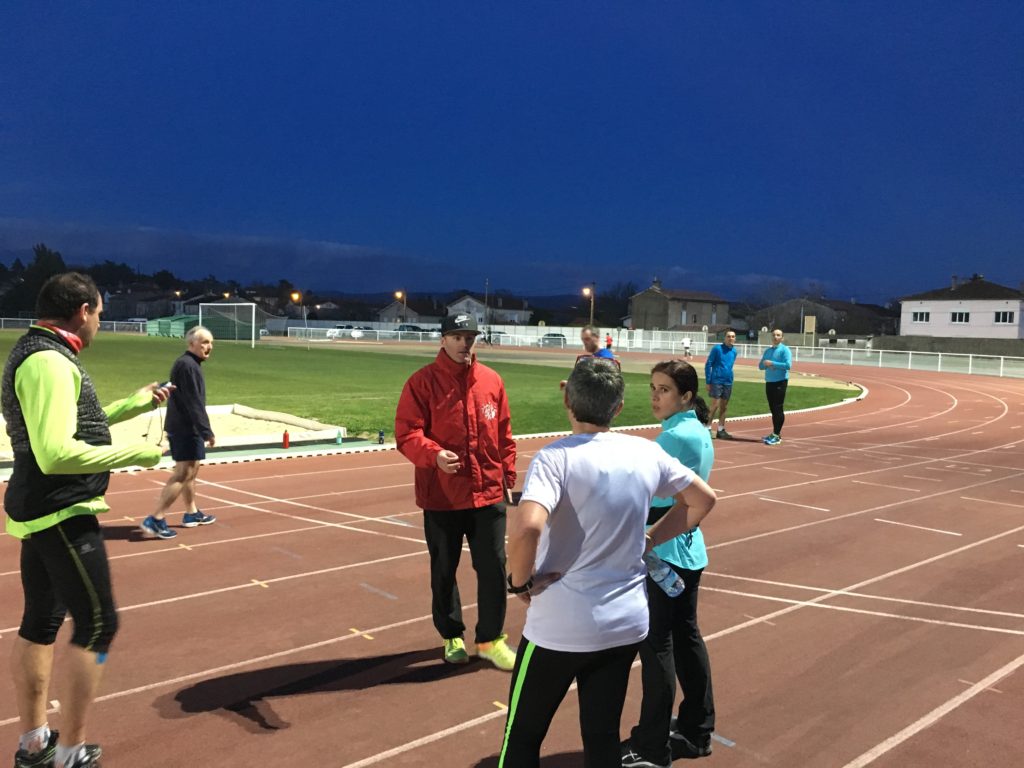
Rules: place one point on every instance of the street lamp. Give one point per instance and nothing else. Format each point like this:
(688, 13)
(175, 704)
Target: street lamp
(403, 297)
(589, 291)
(296, 297)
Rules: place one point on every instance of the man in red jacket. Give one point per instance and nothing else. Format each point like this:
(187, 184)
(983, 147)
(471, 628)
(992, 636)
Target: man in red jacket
(453, 424)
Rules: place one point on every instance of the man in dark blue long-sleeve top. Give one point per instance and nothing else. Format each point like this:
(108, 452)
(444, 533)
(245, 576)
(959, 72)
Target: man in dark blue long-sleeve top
(188, 432)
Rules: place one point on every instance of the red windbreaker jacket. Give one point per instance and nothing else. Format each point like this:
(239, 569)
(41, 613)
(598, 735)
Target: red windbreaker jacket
(447, 406)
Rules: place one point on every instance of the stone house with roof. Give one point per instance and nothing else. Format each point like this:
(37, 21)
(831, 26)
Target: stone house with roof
(658, 308)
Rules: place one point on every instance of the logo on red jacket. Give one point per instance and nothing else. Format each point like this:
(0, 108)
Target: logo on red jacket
(489, 411)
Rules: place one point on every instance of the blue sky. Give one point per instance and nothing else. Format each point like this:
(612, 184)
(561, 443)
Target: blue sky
(870, 148)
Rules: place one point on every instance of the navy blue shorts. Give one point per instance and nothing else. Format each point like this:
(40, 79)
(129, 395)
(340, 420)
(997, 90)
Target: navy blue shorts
(187, 447)
(720, 391)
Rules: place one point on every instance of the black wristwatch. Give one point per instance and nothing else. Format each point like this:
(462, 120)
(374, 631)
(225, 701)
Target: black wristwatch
(514, 590)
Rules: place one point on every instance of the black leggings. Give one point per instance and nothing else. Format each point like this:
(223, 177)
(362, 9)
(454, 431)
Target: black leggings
(775, 391)
(673, 649)
(64, 569)
(541, 679)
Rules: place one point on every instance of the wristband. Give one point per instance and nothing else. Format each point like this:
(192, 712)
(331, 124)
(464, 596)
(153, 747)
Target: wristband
(514, 590)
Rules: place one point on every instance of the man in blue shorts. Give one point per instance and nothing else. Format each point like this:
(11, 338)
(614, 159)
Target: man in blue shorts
(188, 432)
(718, 376)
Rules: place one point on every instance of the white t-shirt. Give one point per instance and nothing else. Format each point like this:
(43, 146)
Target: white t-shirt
(597, 490)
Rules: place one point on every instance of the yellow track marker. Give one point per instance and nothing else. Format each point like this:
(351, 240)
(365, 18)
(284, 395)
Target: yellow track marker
(185, 546)
(129, 519)
(500, 705)
(361, 633)
(259, 583)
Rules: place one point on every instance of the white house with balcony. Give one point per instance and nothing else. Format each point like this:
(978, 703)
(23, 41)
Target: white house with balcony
(498, 309)
(970, 309)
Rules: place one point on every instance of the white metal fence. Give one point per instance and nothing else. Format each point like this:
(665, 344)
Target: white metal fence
(672, 343)
(117, 326)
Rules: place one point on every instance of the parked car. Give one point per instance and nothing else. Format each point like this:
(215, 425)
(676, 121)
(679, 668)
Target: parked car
(552, 340)
(409, 328)
(264, 332)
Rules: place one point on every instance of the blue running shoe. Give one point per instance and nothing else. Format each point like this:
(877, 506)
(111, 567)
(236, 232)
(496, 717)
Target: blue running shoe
(157, 529)
(773, 440)
(192, 519)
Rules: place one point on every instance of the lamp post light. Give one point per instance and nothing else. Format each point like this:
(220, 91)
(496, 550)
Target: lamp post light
(296, 297)
(589, 291)
(403, 297)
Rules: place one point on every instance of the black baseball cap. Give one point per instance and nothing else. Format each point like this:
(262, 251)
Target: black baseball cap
(458, 322)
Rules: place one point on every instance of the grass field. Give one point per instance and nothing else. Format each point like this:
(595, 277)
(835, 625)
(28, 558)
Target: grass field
(359, 387)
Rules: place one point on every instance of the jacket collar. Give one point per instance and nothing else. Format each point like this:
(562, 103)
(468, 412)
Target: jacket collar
(451, 367)
(677, 418)
(70, 339)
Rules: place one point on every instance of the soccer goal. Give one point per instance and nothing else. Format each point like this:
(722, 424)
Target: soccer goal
(237, 322)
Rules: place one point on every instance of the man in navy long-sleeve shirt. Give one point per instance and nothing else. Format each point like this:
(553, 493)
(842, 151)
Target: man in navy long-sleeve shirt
(188, 432)
(718, 376)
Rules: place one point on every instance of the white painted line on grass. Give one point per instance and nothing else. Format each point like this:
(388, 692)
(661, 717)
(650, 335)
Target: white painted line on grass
(919, 527)
(794, 504)
(883, 485)
(934, 716)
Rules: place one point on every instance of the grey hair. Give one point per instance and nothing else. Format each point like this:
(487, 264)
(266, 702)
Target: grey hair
(594, 391)
(194, 331)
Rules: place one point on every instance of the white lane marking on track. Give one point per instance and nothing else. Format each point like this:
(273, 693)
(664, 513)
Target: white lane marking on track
(853, 514)
(866, 596)
(793, 504)
(926, 479)
(934, 716)
(880, 614)
(919, 527)
(883, 485)
(993, 501)
(968, 682)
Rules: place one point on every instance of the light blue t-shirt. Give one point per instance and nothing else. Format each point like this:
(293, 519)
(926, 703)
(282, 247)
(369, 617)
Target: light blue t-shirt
(683, 437)
(782, 361)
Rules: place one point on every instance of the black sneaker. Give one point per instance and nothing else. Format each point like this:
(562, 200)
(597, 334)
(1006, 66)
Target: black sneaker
(684, 748)
(87, 758)
(633, 759)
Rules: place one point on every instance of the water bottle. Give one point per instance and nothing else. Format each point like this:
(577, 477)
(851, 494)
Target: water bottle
(664, 575)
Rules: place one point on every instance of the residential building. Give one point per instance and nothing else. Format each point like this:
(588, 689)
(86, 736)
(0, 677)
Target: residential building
(496, 309)
(658, 308)
(973, 309)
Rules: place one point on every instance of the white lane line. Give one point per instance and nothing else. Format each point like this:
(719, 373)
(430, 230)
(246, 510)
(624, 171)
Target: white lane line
(883, 485)
(968, 682)
(857, 513)
(795, 472)
(935, 715)
(863, 612)
(1015, 490)
(993, 501)
(793, 504)
(926, 479)
(866, 596)
(823, 464)
(919, 527)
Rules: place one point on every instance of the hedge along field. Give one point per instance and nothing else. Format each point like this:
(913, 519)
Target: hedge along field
(359, 389)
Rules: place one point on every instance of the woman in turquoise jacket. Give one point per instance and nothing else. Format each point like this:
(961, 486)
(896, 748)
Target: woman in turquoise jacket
(674, 646)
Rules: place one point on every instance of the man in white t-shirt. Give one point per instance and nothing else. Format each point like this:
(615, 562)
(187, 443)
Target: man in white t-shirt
(575, 551)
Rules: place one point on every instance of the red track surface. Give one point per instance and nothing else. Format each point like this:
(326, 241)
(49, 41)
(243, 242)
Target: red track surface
(862, 607)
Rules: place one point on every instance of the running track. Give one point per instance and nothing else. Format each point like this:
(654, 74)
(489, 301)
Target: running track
(862, 607)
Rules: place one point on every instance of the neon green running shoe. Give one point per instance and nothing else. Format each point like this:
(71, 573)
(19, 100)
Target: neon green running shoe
(455, 651)
(498, 653)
